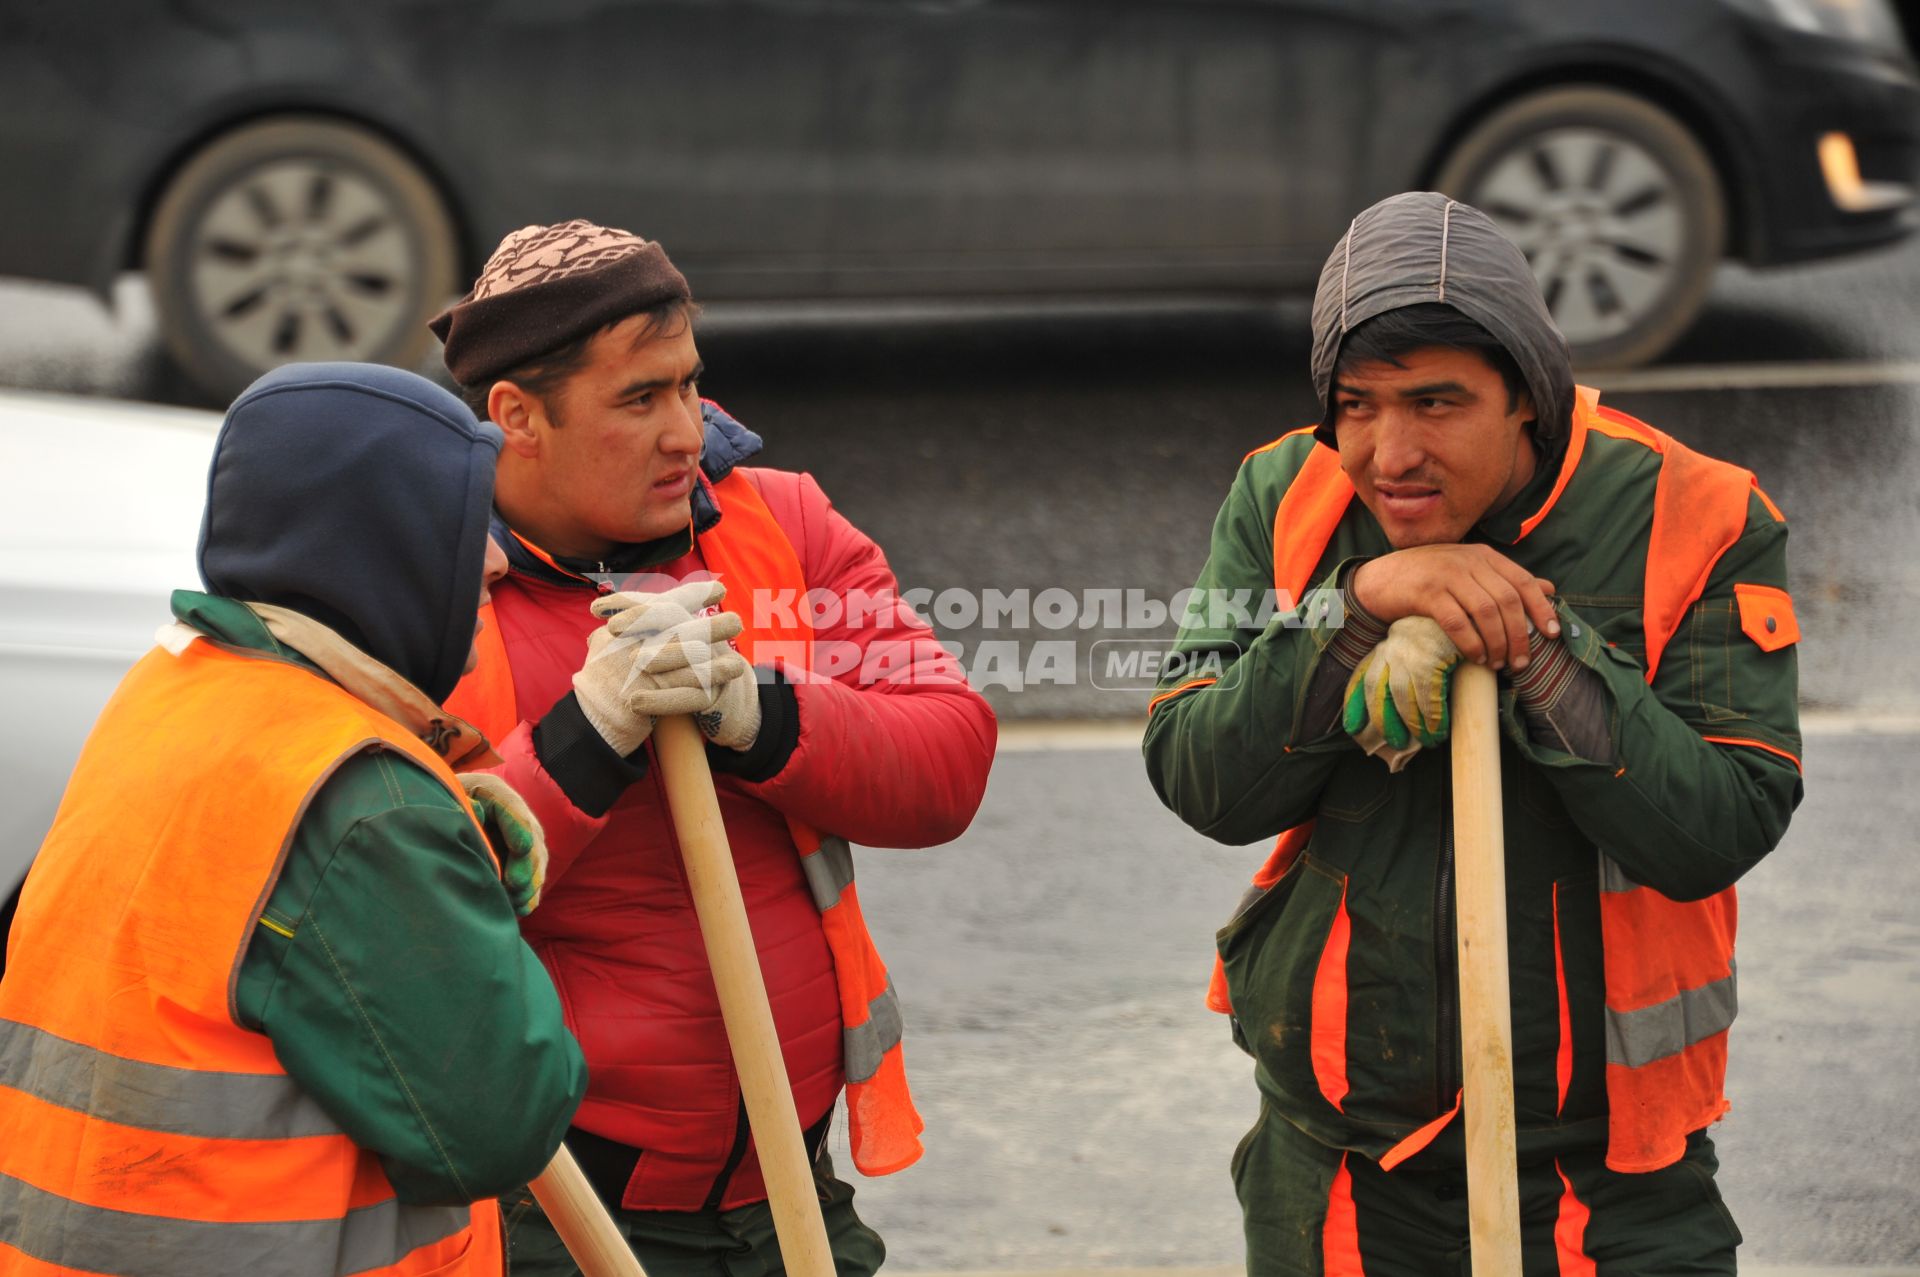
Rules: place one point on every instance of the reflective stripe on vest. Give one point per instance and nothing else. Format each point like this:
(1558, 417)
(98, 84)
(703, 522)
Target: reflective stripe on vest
(1670, 989)
(1654, 1014)
(142, 1129)
(751, 554)
(157, 1097)
(829, 872)
(94, 1239)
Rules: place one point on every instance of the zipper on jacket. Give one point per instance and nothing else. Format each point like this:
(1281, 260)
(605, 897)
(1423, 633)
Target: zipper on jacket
(735, 1155)
(1446, 963)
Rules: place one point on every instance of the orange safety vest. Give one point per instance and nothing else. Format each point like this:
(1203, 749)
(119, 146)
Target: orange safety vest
(752, 555)
(1668, 964)
(142, 1128)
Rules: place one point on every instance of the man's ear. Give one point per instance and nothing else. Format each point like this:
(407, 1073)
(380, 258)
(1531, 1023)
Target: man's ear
(519, 416)
(1523, 406)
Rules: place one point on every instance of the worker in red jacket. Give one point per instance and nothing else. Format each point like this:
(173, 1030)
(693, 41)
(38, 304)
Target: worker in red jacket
(833, 716)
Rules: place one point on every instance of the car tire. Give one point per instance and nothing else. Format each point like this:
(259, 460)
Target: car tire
(297, 238)
(1617, 206)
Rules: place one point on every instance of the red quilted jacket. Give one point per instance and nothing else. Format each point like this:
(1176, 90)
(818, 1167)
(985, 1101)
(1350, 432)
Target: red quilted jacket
(897, 763)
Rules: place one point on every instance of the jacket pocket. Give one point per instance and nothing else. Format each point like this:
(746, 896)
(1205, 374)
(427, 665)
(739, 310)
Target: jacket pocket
(1620, 619)
(1285, 961)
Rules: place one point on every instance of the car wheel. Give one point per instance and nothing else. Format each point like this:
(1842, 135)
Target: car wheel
(1616, 205)
(297, 239)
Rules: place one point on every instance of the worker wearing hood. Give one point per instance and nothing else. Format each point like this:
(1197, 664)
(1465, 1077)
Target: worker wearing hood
(1462, 499)
(267, 1008)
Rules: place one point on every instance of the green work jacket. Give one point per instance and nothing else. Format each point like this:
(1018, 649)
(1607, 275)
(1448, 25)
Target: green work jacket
(389, 972)
(1237, 760)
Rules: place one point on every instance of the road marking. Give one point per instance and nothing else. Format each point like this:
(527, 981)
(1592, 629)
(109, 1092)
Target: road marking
(1801, 376)
(1124, 734)
(1040, 737)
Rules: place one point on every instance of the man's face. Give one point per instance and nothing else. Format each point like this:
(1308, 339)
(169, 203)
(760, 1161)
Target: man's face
(1431, 445)
(494, 568)
(616, 448)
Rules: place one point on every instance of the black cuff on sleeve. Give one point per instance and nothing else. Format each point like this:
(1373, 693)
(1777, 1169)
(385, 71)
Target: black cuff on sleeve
(779, 736)
(1362, 631)
(580, 761)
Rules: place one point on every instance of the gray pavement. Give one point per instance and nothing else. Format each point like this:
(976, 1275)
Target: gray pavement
(1081, 1102)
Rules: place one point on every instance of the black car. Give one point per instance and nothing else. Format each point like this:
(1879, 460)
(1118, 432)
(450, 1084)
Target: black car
(310, 181)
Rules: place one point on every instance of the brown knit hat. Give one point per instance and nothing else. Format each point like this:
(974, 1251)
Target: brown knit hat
(547, 285)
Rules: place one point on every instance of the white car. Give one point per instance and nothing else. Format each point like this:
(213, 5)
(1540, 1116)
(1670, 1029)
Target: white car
(99, 527)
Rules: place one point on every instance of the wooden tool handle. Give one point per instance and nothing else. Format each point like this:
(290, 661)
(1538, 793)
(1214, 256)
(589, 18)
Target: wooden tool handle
(581, 1221)
(743, 998)
(1486, 1006)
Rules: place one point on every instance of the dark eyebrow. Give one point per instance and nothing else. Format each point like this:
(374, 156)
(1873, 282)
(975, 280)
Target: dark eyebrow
(1434, 388)
(659, 383)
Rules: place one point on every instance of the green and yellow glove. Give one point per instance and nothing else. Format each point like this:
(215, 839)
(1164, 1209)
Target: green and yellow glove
(1397, 696)
(515, 834)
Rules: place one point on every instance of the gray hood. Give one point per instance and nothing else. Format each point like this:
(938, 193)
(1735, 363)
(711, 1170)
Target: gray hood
(1423, 247)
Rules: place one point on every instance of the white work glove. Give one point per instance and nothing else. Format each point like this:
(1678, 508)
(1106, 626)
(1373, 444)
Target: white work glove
(680, 661)
(693, 669)
(648, 614)
(601, 686)
(617, 653)
(1397, 698)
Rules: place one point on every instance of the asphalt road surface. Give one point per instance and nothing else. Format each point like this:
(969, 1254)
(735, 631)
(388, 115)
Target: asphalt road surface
(1082, 1103)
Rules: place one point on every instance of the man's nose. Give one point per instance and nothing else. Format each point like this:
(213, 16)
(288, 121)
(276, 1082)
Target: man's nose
(688, 434)
(1397, 449)
(492, 568)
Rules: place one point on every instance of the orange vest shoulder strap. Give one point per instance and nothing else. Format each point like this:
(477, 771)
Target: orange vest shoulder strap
(752, 556)
(1699, 511)
(1303, 524)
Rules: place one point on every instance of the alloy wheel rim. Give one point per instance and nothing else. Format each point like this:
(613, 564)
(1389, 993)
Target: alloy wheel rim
(1600, 221)
(301, 259)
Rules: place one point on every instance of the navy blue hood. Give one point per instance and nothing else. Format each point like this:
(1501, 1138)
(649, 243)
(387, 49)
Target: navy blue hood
(359, 496)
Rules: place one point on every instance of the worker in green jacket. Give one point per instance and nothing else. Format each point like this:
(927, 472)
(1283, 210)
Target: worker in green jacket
(1461, 499)
(297, 1030)
(360, 1010)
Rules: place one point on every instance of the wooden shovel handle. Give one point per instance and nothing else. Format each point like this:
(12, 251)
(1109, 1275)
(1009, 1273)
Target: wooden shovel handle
(582, 1222)
(797, 1222)
(1486, 1006)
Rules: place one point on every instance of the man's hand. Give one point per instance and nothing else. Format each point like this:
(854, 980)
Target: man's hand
(634, 639)
(602, 685)
(1397, 696)
(696, 671)
(515, 833)
(1482, 599)
(680, 661)
(643, 615)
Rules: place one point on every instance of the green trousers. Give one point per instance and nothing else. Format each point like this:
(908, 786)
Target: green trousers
(1311, 1209)
(712, 1243)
